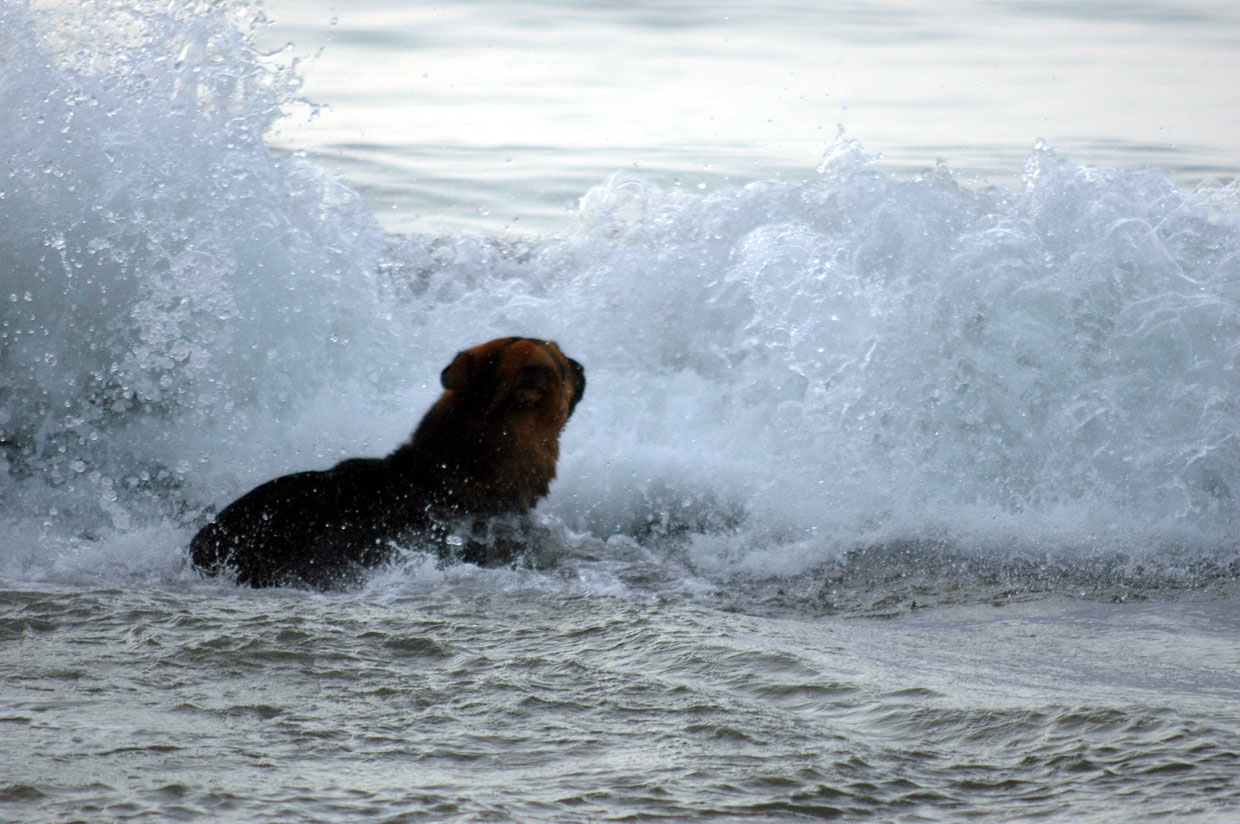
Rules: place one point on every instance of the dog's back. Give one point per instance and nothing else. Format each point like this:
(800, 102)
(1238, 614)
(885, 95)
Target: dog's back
(319, 529)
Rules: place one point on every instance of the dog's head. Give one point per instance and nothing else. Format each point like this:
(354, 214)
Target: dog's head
(519, 380)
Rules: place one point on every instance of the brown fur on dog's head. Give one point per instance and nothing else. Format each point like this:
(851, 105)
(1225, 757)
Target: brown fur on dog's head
(492, 438)
(531, 379)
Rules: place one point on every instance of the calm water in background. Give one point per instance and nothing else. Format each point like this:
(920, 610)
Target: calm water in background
(497, 116)
(896, 495)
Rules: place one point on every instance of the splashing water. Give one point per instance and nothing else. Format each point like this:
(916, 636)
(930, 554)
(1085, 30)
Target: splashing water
(782, 376)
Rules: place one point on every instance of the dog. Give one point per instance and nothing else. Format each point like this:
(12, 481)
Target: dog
(487, 447)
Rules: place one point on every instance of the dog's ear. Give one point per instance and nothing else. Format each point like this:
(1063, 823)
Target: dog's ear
(457, 375)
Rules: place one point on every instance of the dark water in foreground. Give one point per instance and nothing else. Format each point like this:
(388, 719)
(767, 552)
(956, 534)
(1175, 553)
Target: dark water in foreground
(487, 699)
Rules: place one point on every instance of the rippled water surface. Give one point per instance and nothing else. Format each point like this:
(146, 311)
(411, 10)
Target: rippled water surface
(478, 701)
(903, 490)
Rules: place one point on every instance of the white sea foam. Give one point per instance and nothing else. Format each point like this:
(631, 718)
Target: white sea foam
(778, 373)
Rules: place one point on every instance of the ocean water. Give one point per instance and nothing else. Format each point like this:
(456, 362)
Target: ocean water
(905, 487)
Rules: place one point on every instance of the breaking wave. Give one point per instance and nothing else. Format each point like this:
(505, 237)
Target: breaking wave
(853, 379)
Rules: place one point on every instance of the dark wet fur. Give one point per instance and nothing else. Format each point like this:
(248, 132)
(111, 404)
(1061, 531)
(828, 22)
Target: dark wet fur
(487, 447)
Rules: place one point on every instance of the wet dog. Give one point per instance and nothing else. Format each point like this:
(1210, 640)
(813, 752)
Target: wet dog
(487, 447)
